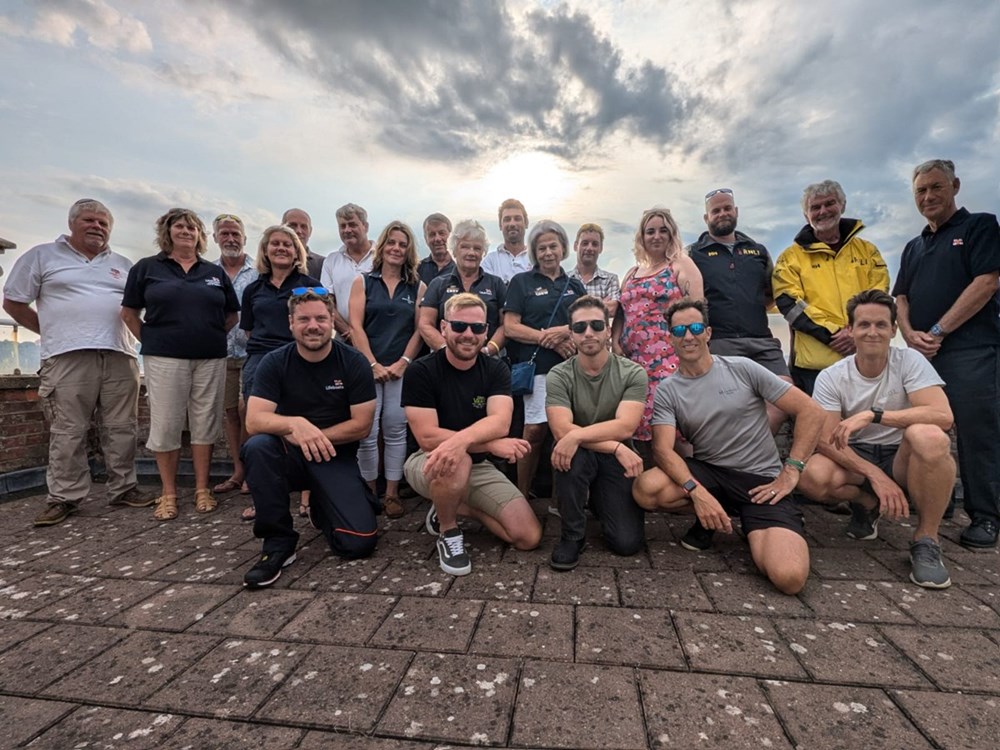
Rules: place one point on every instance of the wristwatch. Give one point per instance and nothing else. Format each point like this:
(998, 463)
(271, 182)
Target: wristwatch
(937, 330)
(877, 419)
(689, 486)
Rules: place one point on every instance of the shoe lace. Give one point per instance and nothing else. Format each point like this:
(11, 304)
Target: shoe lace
(455, 544)
(929, 554)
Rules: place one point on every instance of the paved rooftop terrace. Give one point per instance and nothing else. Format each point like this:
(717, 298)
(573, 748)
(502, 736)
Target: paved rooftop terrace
(120, 632)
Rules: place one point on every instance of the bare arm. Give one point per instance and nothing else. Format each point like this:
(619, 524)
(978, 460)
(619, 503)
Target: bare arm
(927, 406)
(475, 438)
(130, 317)
(23, 314)
(427, 324)
(231, 320)
(689, 277)
(970, 301)
(710, 512)
(317, 444)
(602, 437)
(922, 341)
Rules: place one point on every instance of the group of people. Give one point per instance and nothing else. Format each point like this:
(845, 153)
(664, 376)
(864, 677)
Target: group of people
(661, 392)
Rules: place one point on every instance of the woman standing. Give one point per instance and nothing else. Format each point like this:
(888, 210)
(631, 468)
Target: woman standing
(189, 307)
(383, 317)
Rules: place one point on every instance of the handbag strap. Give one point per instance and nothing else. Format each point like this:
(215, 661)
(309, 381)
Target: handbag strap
(553, 315)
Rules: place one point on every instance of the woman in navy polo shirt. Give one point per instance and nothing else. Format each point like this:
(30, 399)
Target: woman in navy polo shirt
(189, 307)
(281, 263)
(383, 316)
(532, 297)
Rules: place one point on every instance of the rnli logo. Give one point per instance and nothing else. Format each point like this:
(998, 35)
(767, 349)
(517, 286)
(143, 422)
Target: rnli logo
(336, 385)
(541, 291)
(212, 281)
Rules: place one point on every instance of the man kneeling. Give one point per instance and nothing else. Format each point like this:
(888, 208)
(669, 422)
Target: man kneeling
(885, 432)
(458, 405)
(718, 404)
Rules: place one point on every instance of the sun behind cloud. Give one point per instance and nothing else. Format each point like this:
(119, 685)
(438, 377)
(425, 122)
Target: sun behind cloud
(534, 178)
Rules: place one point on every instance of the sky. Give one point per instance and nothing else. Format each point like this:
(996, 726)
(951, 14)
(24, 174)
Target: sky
(585, 110)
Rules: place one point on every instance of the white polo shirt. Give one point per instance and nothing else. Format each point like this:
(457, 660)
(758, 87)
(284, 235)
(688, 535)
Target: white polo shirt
(79, 300)
(501, 262)
(340, 271)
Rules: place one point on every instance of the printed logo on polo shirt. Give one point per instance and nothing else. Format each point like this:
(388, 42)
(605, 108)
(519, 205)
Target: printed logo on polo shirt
(541, 291)
(479, 402)
(336, 385)
(749, 251)
(212, 281)
(453, 289)
(407, 299)
(957, 242)
(116, 274)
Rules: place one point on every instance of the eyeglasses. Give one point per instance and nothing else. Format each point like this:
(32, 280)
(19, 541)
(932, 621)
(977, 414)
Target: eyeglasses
(680, 331)
(460, 326)
(581, 326)
(723, 191)
(301, 291)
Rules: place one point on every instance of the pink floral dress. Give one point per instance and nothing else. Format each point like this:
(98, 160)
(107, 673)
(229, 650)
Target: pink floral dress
(645, 338)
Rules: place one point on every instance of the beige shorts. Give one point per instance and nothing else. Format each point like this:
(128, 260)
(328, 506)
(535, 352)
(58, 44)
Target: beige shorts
(489, 490)
(234, 374)
(184, 392)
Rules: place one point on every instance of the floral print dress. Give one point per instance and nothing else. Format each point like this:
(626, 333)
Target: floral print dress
(645, 338)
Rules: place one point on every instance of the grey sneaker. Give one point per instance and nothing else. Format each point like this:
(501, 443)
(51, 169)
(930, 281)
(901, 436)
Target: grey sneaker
(451, 553)
(863, 525)
(927, 569)
(134, 498)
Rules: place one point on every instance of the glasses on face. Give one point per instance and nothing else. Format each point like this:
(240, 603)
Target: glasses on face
(696, 330)
(723, 191)
(460, 326)
(581, 326)
(318, 291)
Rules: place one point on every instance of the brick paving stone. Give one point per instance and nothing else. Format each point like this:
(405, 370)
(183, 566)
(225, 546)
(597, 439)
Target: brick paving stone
(110, 728)
(44, 658)
(142, 561)
(100, 601)
(842, 718)
(505, 581)
(332, 573)
(988, 595)
(746, 644)
(578, 706)
(348, 619)
(957, 722)
(849, 653)
(580, 586)
(676, 590)
(254, 614)
(23, 718)
(209, 566)
(177, 606)
(668, 555)
(203, 734)
(744, 594)
(956, 659)
(984, 565)
(327, 740)
(635, 637)
(133, 669)
(221, 535)
(232, 680)
(465, 699)
(597, 554)
(29, 594)
(951, 606)
(849, 564)
(716, 711)
(482, 547)
(658, 527)
(412, 579)
(16, 631)
(540, 555)
(542, 631)
(338, 687)
(80, 559)
(429, 624)
(408, 546)
(854, 601)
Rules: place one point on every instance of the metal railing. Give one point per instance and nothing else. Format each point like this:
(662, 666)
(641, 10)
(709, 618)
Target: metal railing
(15, 327)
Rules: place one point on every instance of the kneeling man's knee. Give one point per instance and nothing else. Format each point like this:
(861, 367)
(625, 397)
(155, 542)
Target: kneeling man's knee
(353, 546)
(788, 579)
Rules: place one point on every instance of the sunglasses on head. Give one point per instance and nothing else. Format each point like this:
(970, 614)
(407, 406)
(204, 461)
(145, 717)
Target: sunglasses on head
(696, 330)
(301, 291)
(723, 191)
(581, 326)
(460, 326)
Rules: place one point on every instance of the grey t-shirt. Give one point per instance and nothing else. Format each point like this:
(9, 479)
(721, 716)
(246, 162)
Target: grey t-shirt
(595, 398)
(841, 388)
(723, 415)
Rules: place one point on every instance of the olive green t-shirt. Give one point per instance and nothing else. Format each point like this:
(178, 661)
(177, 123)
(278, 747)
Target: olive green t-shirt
(595, 398)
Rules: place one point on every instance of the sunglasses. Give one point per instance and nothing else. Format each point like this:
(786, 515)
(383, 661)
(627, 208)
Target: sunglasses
(460, 326)
(723, 191)
(581, 326)
(301, 291)
(696, 330)
(228, 217)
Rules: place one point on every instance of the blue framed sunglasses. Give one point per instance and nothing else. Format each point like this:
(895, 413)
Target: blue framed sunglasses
(319, 291)
(680, 331)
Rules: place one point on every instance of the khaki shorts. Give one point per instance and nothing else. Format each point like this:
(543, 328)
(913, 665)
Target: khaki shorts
(234, 374)
(184, 393)
(489, 489)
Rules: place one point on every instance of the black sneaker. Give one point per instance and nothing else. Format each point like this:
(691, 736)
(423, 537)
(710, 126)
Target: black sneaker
(863, 525)
(982, 533)
(566, 555)
(927, 569)
(431, 523)
(134, 498)
(451, 553)
(697, 538)
(268, 569)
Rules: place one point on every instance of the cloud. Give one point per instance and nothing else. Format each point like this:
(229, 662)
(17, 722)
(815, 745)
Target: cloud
(67, 22)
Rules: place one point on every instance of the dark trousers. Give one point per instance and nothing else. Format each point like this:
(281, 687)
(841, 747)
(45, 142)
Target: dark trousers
(803, 379)
(599, 477)
(341, 504)
(972, 383)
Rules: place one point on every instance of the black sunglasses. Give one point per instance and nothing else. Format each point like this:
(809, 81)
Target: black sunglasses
(460, 326)
(319, 291)
(581, 326)
(696, 330)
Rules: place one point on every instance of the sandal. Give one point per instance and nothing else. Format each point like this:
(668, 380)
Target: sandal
(392, 507)
(249, 514)
(228, 486)
(166, 508)
(204, 502)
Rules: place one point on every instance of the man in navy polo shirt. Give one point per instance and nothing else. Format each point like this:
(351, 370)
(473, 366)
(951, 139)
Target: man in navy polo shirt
(312, 402)
(946, 295)
(437, 228)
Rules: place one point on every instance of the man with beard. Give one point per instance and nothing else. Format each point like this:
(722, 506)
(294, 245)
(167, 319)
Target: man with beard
(437, 228)
(599, 283)
(301, 224)
(312, 402)
(458, 405)
(511, 256)
(229, 235)
(737, 275)
(341, 267)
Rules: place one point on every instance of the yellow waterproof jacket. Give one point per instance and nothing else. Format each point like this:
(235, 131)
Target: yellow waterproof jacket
(811, 280)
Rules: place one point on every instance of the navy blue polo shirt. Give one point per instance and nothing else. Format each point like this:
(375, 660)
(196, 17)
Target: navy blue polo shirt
(185, 313)
(389, 321)
(489, 288)
(265, 311)
(935, 269)
(322, 392)
(427, 269)
(737, 285)
(534, 295)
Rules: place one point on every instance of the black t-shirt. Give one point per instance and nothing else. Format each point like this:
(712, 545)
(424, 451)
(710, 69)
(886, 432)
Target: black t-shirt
(389, 321)
(322, 392)
(185, 313)
(935, 269)
(489, 288)
(534, 295)
(737, 286)
(458, 396)
(265, 311)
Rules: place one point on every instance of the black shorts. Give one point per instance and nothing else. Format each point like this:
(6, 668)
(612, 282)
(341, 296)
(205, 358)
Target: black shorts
(882, 456)
(731, 488)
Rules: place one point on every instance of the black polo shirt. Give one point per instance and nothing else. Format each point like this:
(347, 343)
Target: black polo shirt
(737, 285)
(265, 311)
(322, 392)
(936, 268)
(427, 269)
(458, 396)
(534, 295)
(489, 288)
(389, 321)
(185, 313)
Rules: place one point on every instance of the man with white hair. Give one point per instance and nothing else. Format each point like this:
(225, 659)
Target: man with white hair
(88, 357)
